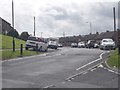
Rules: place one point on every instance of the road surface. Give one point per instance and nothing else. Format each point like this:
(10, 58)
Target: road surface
(64, 68)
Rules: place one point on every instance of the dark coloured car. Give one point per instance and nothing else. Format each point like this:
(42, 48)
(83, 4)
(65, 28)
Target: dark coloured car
(91, 44)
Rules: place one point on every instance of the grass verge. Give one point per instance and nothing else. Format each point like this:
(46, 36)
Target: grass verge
(114, 59)
(7, 42)
(8, 54)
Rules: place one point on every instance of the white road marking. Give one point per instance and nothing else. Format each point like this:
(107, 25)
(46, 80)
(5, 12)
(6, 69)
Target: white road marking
(101, 65)
(69, 80)
(48, 86)
(93, 69)
(91, 62)
(85, 73)
(82, 72)
(110, 70)
(72, 78)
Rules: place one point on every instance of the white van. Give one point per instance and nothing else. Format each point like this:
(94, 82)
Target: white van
(36, 43)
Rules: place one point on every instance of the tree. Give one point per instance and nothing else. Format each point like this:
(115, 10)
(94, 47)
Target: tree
(97, 33)
(24, 36)
(12, 33)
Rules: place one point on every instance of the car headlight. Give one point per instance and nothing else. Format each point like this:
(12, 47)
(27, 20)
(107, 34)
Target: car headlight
(113, 44)
(104, 44)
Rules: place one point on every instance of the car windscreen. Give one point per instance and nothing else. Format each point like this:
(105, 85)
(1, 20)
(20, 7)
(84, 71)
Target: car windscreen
(92, 42)
(109, 40)
(33, 38)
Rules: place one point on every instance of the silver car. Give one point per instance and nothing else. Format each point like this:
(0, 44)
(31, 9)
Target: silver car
(107, 44)
(74, 45)
(81, 44)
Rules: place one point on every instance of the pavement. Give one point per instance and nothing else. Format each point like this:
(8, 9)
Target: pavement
(64, 68)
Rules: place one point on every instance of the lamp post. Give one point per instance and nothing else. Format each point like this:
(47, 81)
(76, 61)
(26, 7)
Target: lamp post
(118, 28)
(90, 27)
(34, 25)
(64, 34)
(41, 34)
(13, 25)
(115, 36)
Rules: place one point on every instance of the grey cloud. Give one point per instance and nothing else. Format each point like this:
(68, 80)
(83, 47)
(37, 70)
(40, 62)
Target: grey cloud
(55, 19)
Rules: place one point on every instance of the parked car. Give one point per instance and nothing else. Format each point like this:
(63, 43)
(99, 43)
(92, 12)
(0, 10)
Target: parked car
(90, 44)
(81, 44)
(36, 43)
(74, 45)
(96, 45)
(107, 44)
(53, 44)
(60, 45)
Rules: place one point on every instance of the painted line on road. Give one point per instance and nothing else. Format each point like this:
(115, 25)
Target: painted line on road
(110, 70)
(48, 86)
(93, 69)
(91, 62)
(86, 71)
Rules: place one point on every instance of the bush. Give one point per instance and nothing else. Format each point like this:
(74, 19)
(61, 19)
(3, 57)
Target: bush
(13, 33)
(24, 36)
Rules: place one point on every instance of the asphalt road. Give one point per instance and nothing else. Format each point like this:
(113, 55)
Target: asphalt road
(64, 68)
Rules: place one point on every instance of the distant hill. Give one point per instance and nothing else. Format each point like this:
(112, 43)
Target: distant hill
(7, 42)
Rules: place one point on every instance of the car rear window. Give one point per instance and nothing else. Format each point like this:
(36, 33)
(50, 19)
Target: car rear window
(108, 40)
(33, 38)
(37, 39)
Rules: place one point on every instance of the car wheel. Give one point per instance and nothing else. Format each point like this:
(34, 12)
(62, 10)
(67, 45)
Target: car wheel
(40, 49)
(101, 48)
(55, 47)
(46, 50)
(26, 48)
(113, 49)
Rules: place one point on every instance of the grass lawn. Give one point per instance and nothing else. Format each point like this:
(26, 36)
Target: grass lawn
(114, 59)
(7, 42)
(8, 54)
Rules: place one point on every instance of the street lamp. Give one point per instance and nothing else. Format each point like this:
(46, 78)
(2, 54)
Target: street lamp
(63, 34)
(34, 25)
(118, 27)
(115, 36)
(13, 25)
(90, 27)
(41, 34)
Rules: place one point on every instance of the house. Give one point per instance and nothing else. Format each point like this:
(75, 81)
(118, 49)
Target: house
(66, 41)
(5, 26)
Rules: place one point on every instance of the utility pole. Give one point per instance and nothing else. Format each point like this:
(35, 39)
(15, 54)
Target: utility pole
(90, 27)
(115, 36)
(118, 31)
(41, 34)
(13, 25)
(34, 25)
(63, 34)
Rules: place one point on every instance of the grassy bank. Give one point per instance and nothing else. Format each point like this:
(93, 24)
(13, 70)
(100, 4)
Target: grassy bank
(8, 54)
(7, 42)
(114, 59)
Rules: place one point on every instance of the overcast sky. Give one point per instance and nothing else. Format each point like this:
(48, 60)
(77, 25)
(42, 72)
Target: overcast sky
(53, 17)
